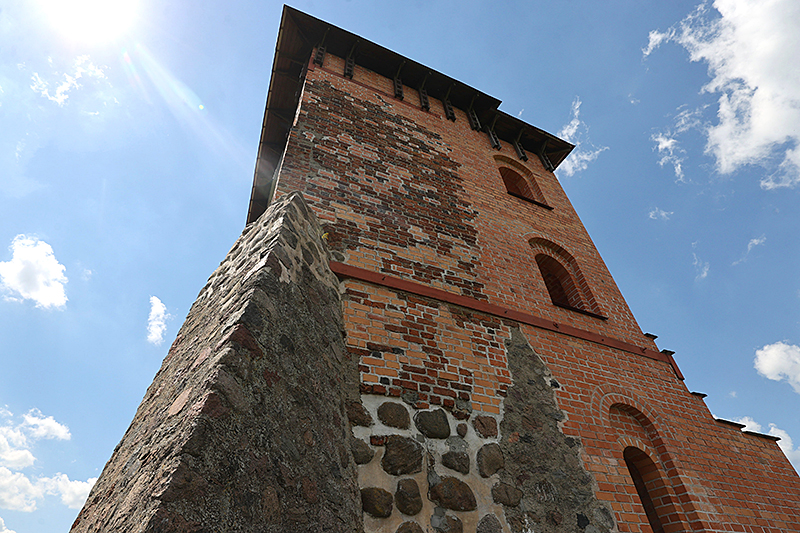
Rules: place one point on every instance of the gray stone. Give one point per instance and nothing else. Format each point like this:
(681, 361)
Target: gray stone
(453, 494)
(403, 455)
(447, 524)
(485, 426)
(582, 520)
(408, 498)
(362, 453)
(410, 527)
(376, 502)
(462, 409)
(603, 517)
(433, 424)
(490, 459)
(357, 414)
(489, 524)
(461, 429)
(506, 494)
(458, 461)
(394, 415)
(456, 444)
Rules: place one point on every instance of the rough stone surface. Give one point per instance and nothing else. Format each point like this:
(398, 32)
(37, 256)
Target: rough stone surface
(447, 524)
(458, 461)
(407, 498)
(485, 426)
(452, 493)
(540, 460)
(394, 415)
(361, 451)
(461, 429)
(489, 524)
(358, 414)
(410, 527)
(244, 427)
(506, 494)
(462, 409)
(403, 455)
(489, 459)
(433, 424)
(376, 502)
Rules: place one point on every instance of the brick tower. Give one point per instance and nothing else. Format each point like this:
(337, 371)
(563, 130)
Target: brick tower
(489, 376)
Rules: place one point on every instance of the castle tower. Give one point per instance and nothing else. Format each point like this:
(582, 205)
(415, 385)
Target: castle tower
(444, 350)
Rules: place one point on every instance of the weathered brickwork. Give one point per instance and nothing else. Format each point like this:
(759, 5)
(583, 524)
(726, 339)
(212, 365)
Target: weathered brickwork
(407, 193)
(433, 352)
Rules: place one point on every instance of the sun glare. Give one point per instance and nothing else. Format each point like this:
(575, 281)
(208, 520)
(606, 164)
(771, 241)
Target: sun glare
(91, 21)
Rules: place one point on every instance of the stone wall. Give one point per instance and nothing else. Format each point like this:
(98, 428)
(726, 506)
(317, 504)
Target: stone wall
(456, 470)
(244, 427)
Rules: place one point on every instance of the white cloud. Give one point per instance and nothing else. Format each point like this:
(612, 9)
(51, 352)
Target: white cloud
(701, 267)
(657, 213)
(34, 273)
(656, 39)
(786, 443)
(157, 321)
(18, 491)
(732, 394)
(779, 362)
(73, 492)
(82, 66)
(577, 132)
(752, 49)
(44, 427)
(750, 245)
(3, 528)
(667, 143)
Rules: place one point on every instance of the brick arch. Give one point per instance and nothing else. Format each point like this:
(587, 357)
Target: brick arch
(518, 179)
(559, 267)
(655, 495)
(606, 397)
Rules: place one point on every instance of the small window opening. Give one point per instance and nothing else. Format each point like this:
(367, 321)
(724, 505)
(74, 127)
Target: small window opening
(518, 186)
(645, 476)
(563, 291)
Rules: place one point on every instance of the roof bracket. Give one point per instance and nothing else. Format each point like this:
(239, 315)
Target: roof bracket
(424, 102)
(350, 62)
(518, 146)
(492, 135)
(543, 156)
(319, 57)
(398, 83)
(474, 123)
(449, 112)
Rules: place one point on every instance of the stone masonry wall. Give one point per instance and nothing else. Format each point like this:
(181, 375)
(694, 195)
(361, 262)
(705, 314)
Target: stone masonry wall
(244, 427)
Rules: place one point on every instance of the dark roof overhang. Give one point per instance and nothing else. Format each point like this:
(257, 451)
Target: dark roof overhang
(300, 33)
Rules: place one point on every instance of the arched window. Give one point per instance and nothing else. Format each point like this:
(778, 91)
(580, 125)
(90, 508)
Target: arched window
(649, 485)
(562, 289)
(563, 278)
(519, 181)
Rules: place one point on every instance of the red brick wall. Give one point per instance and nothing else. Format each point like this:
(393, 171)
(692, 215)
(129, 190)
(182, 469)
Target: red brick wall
(407, 193)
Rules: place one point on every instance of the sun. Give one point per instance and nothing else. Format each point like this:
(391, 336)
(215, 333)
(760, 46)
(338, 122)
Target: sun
(91, 21)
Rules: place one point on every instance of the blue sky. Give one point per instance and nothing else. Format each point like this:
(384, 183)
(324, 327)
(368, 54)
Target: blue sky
(128, 137)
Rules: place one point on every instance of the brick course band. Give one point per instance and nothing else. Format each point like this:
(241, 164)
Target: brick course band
(376, 278)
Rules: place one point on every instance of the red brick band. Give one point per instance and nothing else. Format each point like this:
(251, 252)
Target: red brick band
(376, 278)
